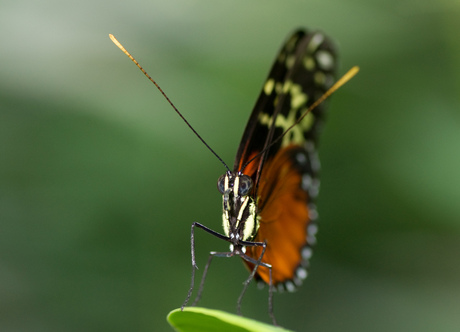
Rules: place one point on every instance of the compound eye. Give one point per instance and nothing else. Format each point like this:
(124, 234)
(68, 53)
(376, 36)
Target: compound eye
(245, 185)
(221, 183)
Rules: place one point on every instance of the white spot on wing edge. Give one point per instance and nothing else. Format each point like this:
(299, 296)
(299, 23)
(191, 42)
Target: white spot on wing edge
(325, 59)
(312, 213)
(313, 190)
(290, 286)
(301, 158)
(307, 252)
(311, 239)
(312, 229)
(306, 182)
(315, 41)
(301, 273)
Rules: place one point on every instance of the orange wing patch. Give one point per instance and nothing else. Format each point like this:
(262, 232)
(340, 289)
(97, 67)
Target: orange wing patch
(252, 167)
(284, 217)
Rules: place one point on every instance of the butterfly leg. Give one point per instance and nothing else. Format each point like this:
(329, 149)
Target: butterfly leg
(270, 298)
(195, 267)
(203, 278)
(258, 263)
(246, 283)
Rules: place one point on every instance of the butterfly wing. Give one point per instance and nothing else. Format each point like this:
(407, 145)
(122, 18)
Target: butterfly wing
(286, 175)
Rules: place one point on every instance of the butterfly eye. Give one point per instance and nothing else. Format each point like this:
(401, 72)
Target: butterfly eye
(245, 185)
(221, 184)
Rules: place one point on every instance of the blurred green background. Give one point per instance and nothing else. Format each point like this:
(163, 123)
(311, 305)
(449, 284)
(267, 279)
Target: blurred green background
(100, 180)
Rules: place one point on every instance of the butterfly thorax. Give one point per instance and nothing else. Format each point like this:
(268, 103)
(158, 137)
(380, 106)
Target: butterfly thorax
(239, 211)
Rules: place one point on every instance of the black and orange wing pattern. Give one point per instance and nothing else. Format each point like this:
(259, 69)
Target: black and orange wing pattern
(268, 211)
(285, 175)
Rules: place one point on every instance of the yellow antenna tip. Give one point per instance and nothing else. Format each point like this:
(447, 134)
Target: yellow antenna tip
(116, 42)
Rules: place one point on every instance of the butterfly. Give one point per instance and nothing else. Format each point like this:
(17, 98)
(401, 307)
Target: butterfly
(269, 214)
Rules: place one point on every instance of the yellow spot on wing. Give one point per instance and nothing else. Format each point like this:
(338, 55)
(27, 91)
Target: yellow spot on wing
(298, 101)
(287, 86)
(298, 98)
(309, 63)
(290, 60)
(269, 85)
(320, 78)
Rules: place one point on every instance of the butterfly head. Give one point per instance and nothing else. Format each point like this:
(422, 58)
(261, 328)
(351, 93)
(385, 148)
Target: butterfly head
(238, 207)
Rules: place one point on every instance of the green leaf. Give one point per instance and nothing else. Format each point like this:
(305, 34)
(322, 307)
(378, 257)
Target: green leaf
(206, 320)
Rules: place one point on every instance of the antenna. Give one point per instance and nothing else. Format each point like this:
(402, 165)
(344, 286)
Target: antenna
(344, 79)
(116, 42)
